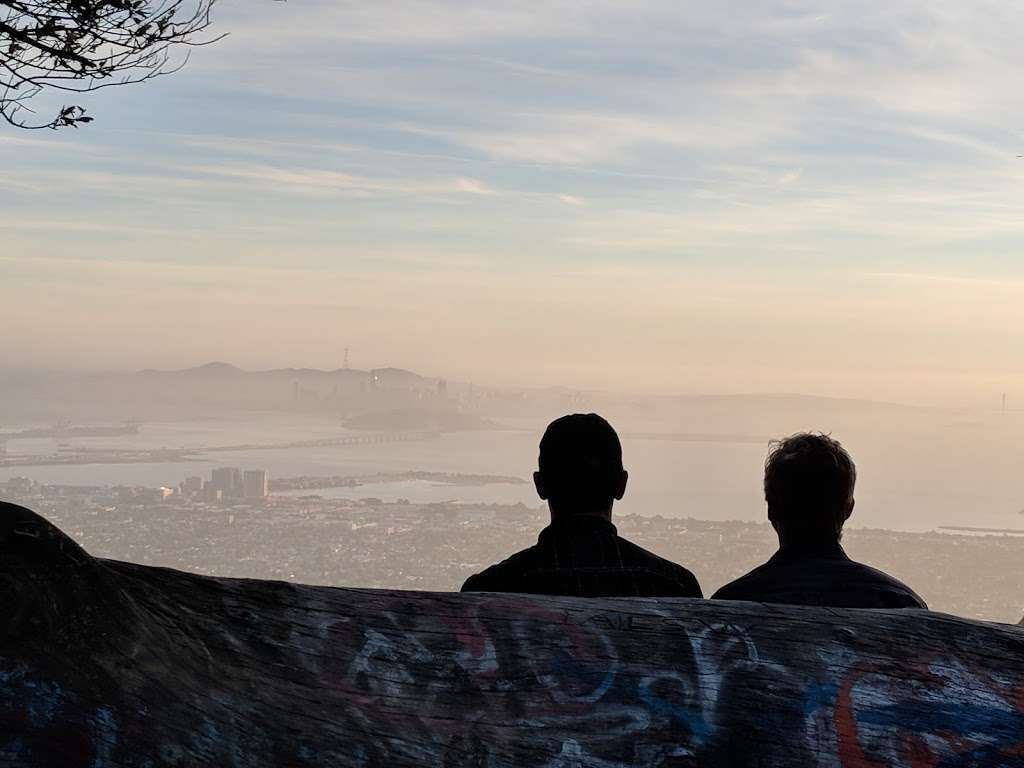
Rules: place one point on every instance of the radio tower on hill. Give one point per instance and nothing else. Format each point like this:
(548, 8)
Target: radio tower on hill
(345, 364)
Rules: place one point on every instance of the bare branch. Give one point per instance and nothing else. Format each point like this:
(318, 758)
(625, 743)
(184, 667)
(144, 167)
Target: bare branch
(84, 45)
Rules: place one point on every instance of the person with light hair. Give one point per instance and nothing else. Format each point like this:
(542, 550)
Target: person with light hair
(808, 484)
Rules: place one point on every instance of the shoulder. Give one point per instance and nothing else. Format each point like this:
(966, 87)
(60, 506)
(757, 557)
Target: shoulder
(640, 557)
(895, 593)
(500, 577)
(746, 587)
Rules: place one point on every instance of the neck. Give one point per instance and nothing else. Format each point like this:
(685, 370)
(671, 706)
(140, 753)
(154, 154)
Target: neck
(806, 543)
(566, 513)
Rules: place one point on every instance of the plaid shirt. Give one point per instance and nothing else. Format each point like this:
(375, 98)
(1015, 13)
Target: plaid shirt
(583, 556)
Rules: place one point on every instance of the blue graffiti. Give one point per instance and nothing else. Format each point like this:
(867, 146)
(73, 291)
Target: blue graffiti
(106, 732)
(208, 739)
(590, 673)
(1003, 728)
(44, 701)
(819, 695)
(993, 756)
(693, 721)
(951, 717)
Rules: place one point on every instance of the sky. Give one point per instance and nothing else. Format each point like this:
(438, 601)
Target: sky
(652, 196)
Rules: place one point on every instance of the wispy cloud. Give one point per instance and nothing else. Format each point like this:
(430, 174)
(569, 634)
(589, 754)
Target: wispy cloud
(315, 181)
(444, 142)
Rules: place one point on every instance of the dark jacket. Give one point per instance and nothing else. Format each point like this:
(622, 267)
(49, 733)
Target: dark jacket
(583, 556)
(821, 576)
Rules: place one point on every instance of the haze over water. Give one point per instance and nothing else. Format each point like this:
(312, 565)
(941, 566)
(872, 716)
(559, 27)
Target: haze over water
(919, 469)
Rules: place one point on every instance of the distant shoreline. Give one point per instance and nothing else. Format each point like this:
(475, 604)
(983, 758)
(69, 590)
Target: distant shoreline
(310, 483)
(972, 529)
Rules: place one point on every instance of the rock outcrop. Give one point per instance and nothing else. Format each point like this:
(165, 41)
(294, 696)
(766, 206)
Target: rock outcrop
(110, 664)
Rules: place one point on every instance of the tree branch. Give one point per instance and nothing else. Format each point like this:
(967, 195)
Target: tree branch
(84, 45)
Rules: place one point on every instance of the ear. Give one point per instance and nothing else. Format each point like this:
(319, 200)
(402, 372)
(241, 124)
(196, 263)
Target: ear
(849, 510)
(538, 483)
(620, 485)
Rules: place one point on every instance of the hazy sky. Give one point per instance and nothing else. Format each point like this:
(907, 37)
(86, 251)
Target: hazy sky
(654, 195)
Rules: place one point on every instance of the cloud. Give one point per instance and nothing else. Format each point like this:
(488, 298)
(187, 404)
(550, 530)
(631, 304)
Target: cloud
(425, 22)
(472, 186)
(594, 138)
(318, 182)
(790, 177)
(169, 177)
(445, 144)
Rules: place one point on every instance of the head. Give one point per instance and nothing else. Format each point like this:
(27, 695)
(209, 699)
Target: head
(808, 484)
(580, 466)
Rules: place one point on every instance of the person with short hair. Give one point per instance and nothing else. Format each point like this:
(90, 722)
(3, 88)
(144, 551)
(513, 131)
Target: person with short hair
(808, 484)
(580, 475)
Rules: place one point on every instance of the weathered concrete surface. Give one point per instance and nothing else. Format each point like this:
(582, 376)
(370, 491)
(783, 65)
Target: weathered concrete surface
(105, 663)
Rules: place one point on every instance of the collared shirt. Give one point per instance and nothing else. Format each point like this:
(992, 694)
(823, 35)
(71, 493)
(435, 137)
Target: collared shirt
(583, 556)
(821, 575)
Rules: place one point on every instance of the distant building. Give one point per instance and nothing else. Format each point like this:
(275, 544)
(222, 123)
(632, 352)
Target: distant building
(147, 495)
(255, 484)
(212, 492)
(21, 486)
(125, 493)
(228, 480)
(191, 486)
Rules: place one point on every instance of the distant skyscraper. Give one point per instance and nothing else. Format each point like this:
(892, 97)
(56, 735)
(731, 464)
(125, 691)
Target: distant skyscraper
(255, 483)
(212, 492)
(228, 480)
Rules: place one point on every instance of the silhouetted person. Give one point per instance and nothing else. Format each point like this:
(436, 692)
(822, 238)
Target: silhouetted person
(808, 484)
(580, 553)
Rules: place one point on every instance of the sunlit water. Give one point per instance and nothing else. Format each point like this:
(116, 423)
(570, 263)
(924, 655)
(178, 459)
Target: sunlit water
(917, 470)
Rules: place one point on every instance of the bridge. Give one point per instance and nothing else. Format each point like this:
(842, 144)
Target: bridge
(351, 438)
(111, 664)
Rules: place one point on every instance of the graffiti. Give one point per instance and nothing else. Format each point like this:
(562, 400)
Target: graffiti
(573, 755)
(928, 714)
(574, 664)
(388, 664)
(410, 688)
(199, 671)
(41, 723)
(937, 716)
